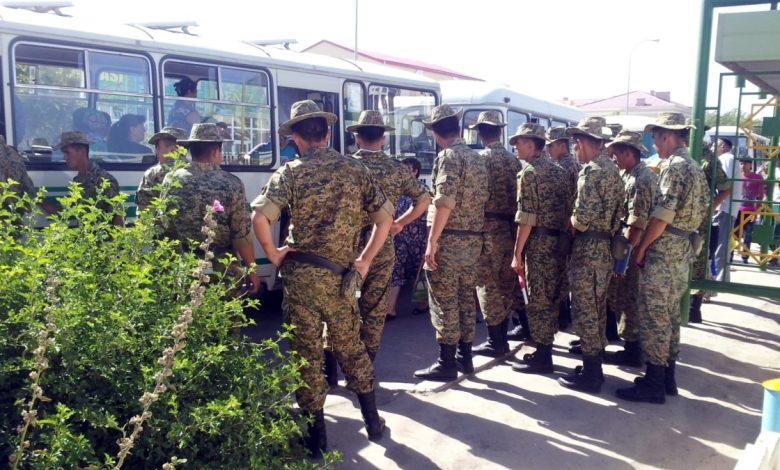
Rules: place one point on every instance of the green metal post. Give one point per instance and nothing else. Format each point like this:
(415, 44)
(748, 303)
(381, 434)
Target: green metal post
(699, 105)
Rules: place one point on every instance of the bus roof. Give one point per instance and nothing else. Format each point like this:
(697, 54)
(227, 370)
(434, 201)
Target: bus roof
(137, 37)
(468, 92)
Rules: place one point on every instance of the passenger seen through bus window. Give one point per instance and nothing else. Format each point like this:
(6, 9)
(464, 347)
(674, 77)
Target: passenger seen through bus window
(183, 113)
(126, 135)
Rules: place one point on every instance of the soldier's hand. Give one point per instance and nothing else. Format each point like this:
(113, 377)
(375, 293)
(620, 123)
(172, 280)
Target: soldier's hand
(361, 266)
(276, 257)
(395, 229)
(517, 265)
(430, 255)
(254, 283)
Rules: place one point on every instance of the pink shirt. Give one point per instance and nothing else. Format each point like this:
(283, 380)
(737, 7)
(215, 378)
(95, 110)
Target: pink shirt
(752, 190)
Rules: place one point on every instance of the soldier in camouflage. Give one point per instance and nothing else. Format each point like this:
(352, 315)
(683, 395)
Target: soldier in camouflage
(640, 185)
(558, 150)
(328, 197)
(598, 210)
(719, 190)
(164, 143)
(12, 168)
(664, 256)
(195, 187)
(542, 196)
(75, 152)
(496, 280)
(456, 220)
(395, 180)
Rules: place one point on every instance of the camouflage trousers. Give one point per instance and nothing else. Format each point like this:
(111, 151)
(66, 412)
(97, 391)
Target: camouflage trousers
(495, 278)
(590, 271)
(312, 296)
(662, 283)
(373, 298)
(543, 270)
(451, 288)
(625, 304)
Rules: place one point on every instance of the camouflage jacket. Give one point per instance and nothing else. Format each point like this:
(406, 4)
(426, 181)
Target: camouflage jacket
(709, 162)
(572, 167)
(600, 197)
(682, 197)
(147, 191)
(91, 182)
(12, 168)
(503, 170)
(328, 196)
(392, 176)
(542, 194)
(460, 183)
(200, 184)
(640, 185)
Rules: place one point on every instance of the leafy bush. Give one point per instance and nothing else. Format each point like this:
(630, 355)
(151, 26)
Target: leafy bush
(87, 310)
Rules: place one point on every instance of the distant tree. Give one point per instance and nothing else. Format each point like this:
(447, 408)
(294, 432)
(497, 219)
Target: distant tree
(729, 118)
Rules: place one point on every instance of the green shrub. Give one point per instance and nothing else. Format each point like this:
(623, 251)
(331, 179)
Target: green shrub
(87, 311)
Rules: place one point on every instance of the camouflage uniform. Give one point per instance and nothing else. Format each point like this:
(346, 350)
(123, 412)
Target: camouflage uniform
(542, 195)
(154, 175)
(92, 180)
(328, 197)
(12, 168)
(681, 202)
(496, 281)
(395, 180)
(598, 208)
(460, 182)
(200, 185)
(640, 185)
(572, 167)
(720, 183)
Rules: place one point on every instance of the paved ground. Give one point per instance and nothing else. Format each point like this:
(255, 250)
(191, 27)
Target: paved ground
(498, 418)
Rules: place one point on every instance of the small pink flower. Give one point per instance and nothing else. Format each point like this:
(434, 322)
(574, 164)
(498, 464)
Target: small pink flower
(217, 206)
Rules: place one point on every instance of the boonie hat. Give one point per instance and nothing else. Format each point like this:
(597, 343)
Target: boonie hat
(491, 118)
(528, 130)
(671, 121)
(630, 138)
(554, 134)
(593, 127)
(302, 110)
(370, 118)
(72, 138)
(172, 133)
(441, 112)
(203, 132)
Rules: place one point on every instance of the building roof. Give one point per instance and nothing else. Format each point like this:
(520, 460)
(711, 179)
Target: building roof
(397, 61)
(636, 99)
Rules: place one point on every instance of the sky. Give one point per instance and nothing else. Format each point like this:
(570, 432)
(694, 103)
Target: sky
(551, 49)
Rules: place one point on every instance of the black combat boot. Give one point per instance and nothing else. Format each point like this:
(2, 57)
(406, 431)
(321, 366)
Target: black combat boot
(538, 362)
(330, 367)
(375, 424)
(670, 383)
(575, 346)
(496, 345)
(463, 358)
(589, 379)
(631, 355)
(694, 312)
(521, 332)
(316, 439)
(444, 369)
(650, 389)
(611, 327)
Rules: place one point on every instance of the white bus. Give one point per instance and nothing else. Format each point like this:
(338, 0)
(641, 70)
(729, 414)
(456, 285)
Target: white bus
(516, 108)
(65, 73)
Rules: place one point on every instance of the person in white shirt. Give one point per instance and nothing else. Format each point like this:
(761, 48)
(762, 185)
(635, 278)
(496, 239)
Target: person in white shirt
(725, 214)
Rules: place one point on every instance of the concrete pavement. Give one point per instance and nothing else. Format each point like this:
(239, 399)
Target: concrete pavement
(498, 418)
